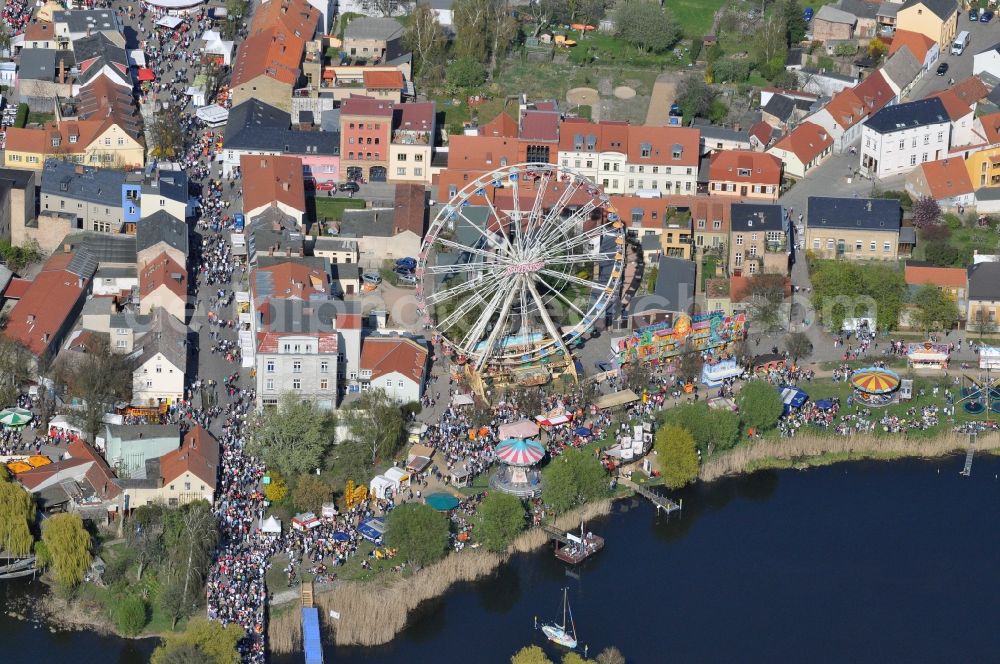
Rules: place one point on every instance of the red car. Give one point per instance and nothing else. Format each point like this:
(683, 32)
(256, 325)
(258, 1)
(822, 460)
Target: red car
(326, 186)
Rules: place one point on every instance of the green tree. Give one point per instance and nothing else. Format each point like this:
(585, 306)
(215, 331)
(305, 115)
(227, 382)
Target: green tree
(426, 40)
(842, 289)
(294, 438)
(190, 535)
(795, 23)
(310, 493)
(765, 294)
(798, 345)
(100, 378)
(760, 405)
(530, 655)
(144, 536)
(466, 73)
(768, 42)
(711, 429)
(15, 369)
(677, 455)
(610, 655)
(646, 25)
(502, 520)
(942, 254)
(418, 532)
(574, 658)
(67, 548)
(484, 30)
(207, 639)
(572, 478)
(694, 97)
(731, 70)
(17, 512)
(377, 422)
(130, 615)
(933, 309)
(166, 136)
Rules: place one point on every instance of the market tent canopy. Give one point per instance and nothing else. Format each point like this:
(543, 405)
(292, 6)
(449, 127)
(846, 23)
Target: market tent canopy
(517, 452)
(381, 486)
(63, 423)
(875, 381)
(793, 397)
(170, 22)
(396, 475)
(824, 404)
(212, 114)
(145, 74)
(15, 417)
(519, 429)
(372, 529)
(417, 464)
(617, 399)
(553, 421)
(271, 526)
(462, 400)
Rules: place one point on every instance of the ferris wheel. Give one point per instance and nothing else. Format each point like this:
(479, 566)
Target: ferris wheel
(519, 265)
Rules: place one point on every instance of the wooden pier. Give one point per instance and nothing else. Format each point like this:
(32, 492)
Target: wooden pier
(661, 502)
(967, 470)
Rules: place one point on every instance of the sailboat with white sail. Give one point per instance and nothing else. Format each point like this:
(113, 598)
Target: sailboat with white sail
(563, 633)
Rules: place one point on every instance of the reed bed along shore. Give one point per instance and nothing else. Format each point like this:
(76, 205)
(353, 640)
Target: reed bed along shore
(374, 612)
(812, 450)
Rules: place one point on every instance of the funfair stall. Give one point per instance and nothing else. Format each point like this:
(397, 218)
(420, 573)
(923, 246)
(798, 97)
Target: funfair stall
(714, 374)
(989, 357)
(927, 355)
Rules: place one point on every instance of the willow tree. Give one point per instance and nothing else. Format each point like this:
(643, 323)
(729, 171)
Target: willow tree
(17, 511)
(66, 548)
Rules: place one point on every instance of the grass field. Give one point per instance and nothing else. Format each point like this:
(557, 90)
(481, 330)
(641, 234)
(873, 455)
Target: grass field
(333, 208)
(695, 16)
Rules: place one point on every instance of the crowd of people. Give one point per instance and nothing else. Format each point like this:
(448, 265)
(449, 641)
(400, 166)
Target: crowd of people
(17, 15)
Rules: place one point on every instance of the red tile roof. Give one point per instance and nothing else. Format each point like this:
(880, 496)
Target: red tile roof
(991, 128)
(763, 132)
(807, 141)
(410, 210)
(764, 168)
(540, 126)
(357, 105)
(267, 342)
(947, 178)
(918, 275)
(40, 314)
(480, 153)
(273, 52)
(970, 90)
(846, 108)
(608, 136)
(384, 355)
(661, 142)
(705, 208)
(918, 43)
(955, 106)
(270, 179)
(501, 125)
(198, 454)
(386, 79)
(17, 288)
(874, 92)
(418, 116)
(163, 271)
(292, 280)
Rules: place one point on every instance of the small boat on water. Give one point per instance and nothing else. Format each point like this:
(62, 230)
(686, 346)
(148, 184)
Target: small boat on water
(578, 548)
(563, 633)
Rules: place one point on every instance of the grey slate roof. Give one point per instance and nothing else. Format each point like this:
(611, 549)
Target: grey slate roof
(165, 335)
(902, 67)
(941, 8)
(117, 273)
(834, 15)
(254, 125)
(367, 223)
(162, 227)
(988, 194)
(674, 289)
(907, 235)
(858, 8)
(757, 217)
(382, 29)
(99, 46)
(82, 20)
(873, 214)
(888, 9)
(169, 184)
(17, 177)
(709, 130)
(91, 249)
(39, 64)
(812, 72)
(908, 115)
(82, 183)
(984, 281)
(780, 107)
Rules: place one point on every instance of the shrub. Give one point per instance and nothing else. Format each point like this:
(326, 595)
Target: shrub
(130, 615)
(729, 70)
(466, 73)
(21, 118)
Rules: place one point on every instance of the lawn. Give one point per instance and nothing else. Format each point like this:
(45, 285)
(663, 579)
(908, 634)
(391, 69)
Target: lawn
(40, 118)
(695, 16)
(606, 49)
(707, 270)
(333, 208)
(966, 240)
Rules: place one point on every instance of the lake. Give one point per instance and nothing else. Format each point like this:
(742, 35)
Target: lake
(860, 562)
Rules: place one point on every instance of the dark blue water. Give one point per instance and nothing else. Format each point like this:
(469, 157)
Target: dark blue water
(860, 562)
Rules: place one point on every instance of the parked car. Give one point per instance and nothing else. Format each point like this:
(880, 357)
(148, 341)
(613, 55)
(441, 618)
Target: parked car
(986, 17)
(408, 280)
(350, 186)
(942, 69)
(371, 278)
(326, 186)
(807, 14)
(974, 14)
(407, 263)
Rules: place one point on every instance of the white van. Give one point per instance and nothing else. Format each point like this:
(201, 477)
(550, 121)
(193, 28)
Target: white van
(961, 42)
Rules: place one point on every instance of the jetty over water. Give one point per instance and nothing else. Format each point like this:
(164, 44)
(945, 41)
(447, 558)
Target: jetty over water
(661, 502)
(967, 470)
(311, 642)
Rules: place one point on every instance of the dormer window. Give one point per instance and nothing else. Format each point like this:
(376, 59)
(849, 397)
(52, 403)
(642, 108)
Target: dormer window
(578, 142)
(677, 151)
(645, 149)
(73, 138)
(743, 172)
(55, 141)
